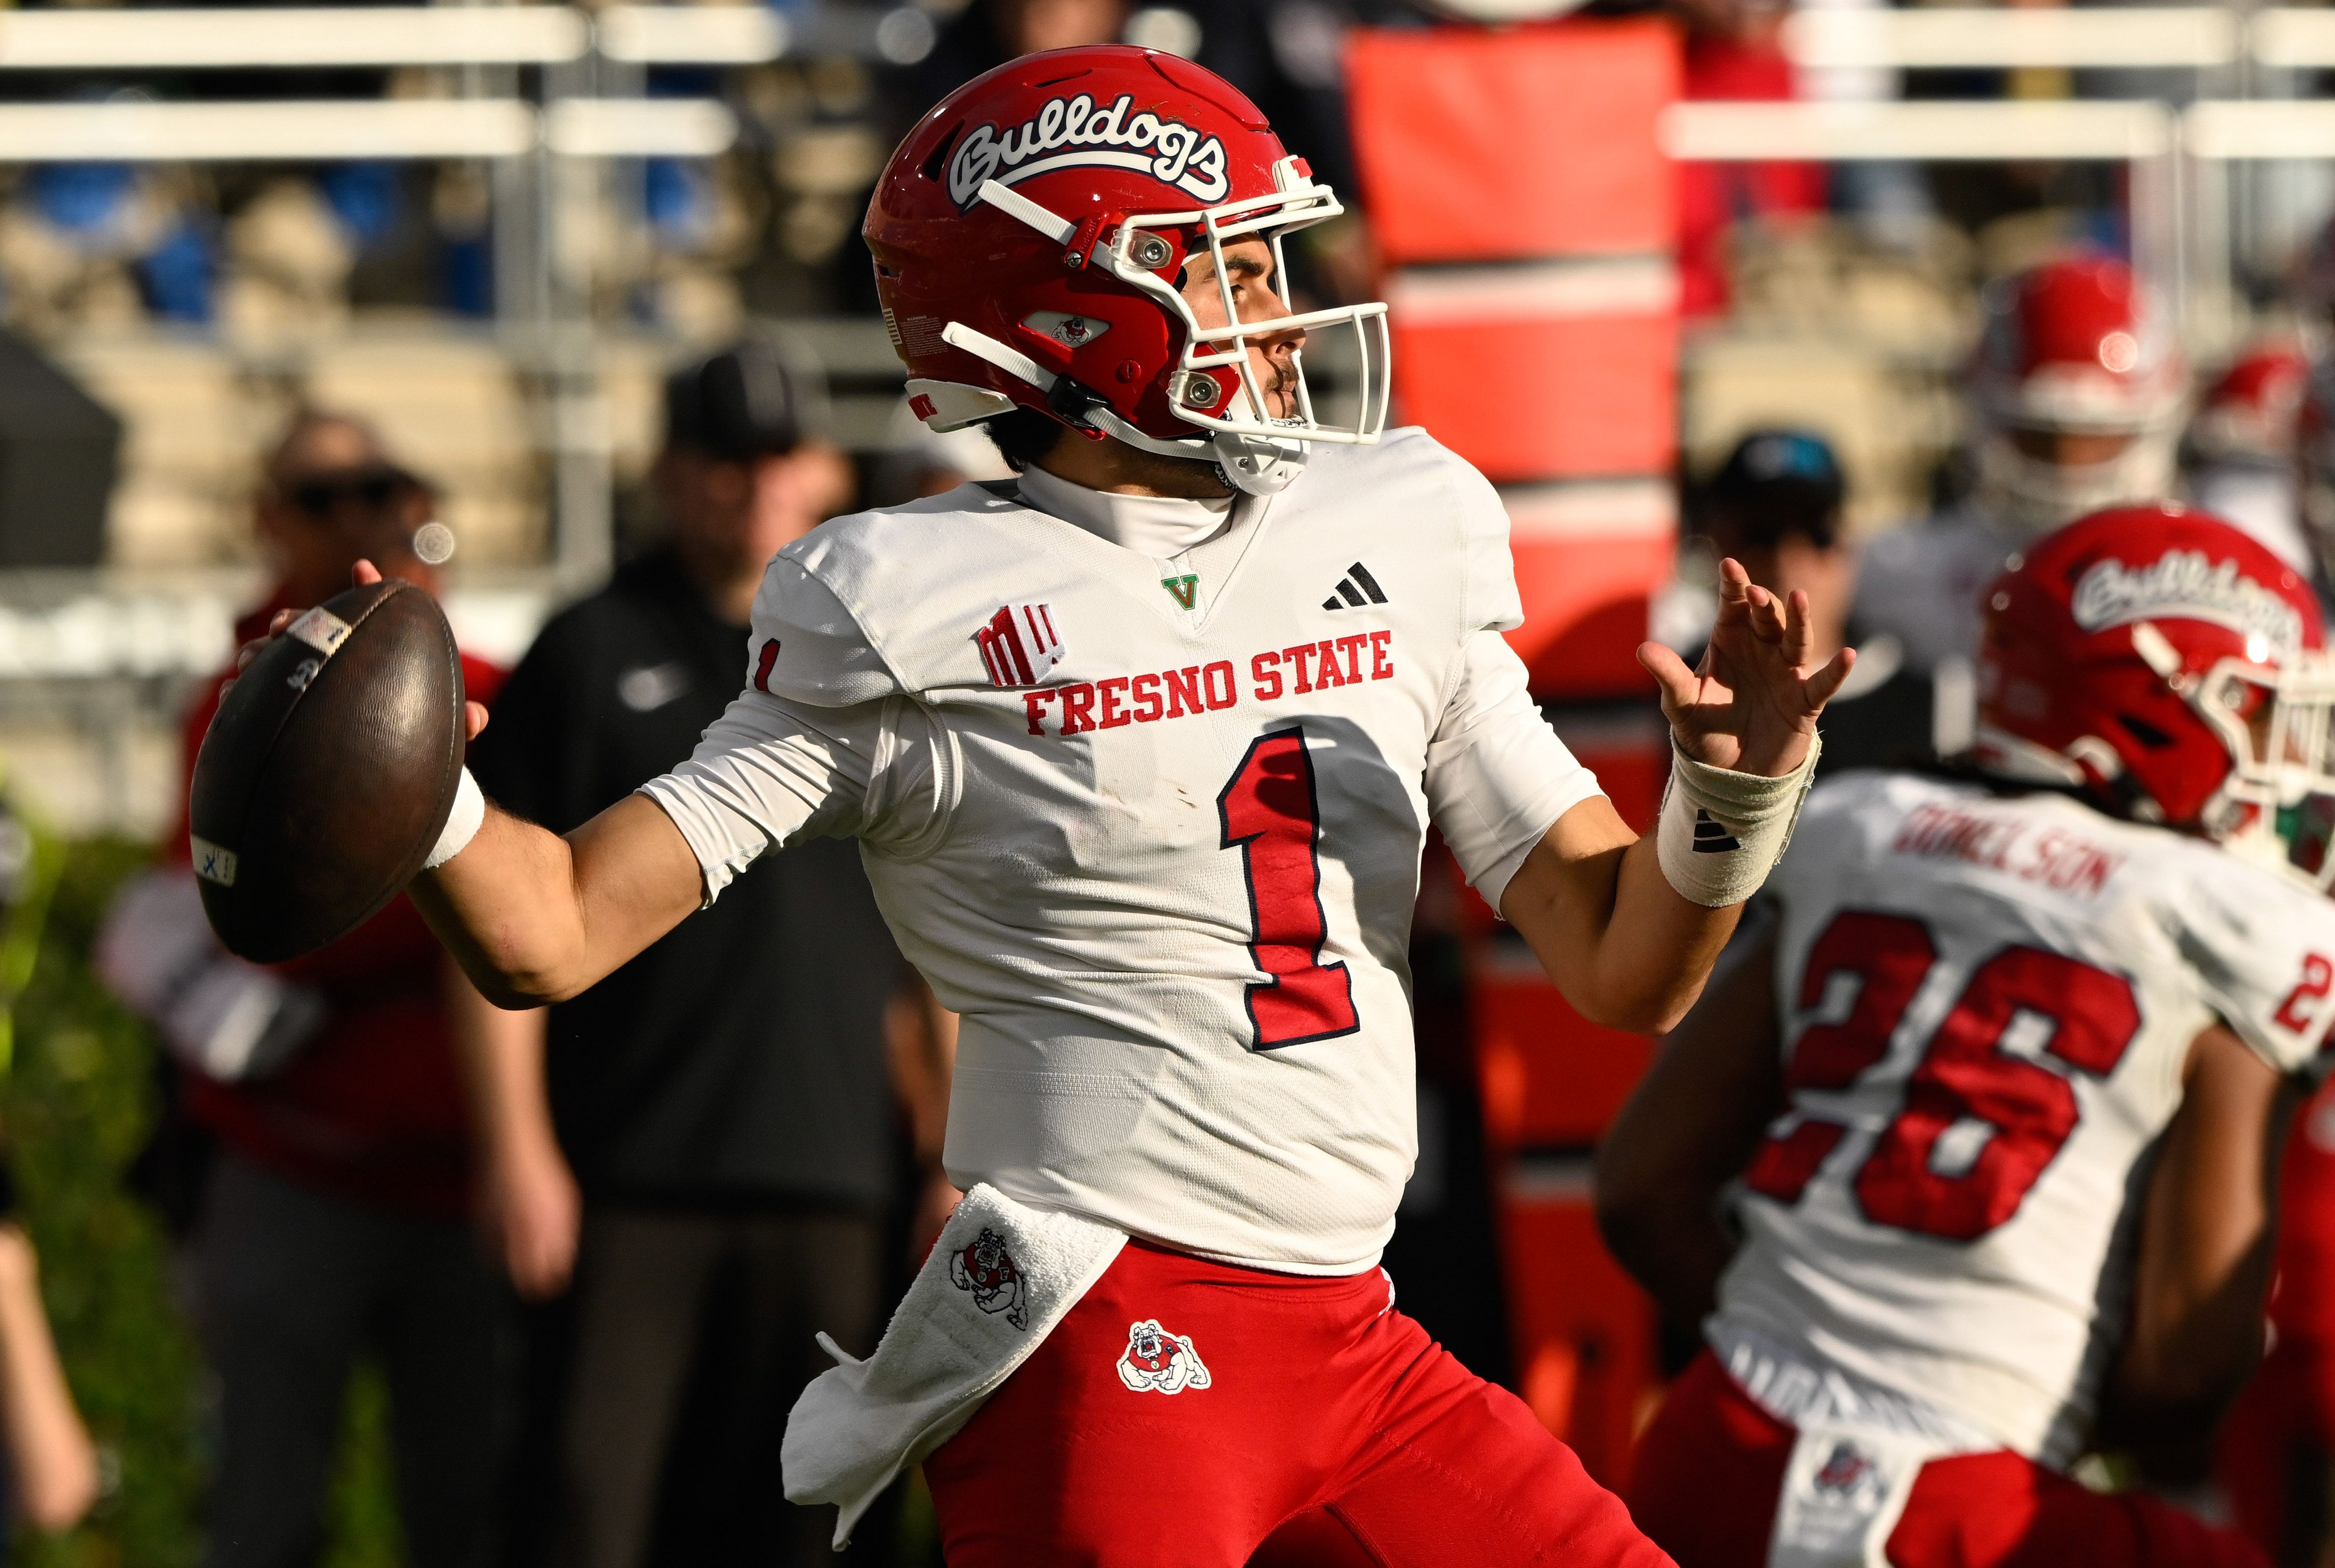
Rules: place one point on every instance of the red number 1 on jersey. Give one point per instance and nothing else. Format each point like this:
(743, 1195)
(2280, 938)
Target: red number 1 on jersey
(1271, 814)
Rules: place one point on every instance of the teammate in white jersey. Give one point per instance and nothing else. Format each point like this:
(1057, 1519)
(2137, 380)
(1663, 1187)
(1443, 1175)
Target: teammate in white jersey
(1142, 752)
(2076, 393)
(2238, 457)
(1997, 1095)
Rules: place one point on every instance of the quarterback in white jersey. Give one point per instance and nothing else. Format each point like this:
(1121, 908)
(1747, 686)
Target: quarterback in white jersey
(2000, 1083)
(1142, 750)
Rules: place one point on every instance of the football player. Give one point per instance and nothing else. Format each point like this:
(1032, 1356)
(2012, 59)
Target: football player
(2238, 455)
(1141, 751)
(1994, 1099)
(2076, 393)
(2314, 467)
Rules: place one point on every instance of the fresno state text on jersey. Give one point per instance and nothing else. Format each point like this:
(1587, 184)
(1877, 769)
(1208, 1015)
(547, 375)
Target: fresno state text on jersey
(1168, 886)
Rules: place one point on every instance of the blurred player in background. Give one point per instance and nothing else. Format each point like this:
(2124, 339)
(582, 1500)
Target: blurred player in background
(704, 1139)
(2077, 391)
(2314, 470)
(2238, 457)
(2277, 1459)
(2003, 1082)
(334, 1220)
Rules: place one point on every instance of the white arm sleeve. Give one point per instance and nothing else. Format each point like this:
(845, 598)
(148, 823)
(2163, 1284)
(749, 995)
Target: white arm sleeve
(772, 771)
(1497, 777)
(2264, 949)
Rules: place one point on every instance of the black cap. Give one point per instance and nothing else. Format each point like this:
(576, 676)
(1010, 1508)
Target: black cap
(744, 402)
(1777, 483)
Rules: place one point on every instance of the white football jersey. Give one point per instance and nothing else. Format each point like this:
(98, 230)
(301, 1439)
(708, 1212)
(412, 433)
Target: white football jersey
(1153, 826)
(1987, 1004)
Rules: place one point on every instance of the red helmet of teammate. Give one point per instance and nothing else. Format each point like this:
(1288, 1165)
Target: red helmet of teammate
(2070, 350)
(2165, 662)
(1029, 235)
(2248, 415)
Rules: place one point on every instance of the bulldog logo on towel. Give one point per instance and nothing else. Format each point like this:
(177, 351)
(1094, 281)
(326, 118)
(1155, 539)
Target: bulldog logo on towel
(1156, 1358)
(988, 1270)
(1847, 1472)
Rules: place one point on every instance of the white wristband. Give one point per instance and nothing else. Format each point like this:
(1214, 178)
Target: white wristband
(1721, 832)
(461, 823)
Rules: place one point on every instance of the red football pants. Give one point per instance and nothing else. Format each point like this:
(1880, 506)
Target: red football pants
(1324, 1411)
(1710, 1468)
(2277, 1458)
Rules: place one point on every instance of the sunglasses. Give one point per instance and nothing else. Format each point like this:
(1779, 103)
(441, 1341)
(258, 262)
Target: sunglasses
(372, 489)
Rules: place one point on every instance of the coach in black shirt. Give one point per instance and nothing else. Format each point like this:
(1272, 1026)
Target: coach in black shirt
(723, 1100)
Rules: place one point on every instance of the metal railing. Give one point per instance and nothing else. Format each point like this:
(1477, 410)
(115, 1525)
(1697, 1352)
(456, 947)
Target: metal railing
(2135, 37)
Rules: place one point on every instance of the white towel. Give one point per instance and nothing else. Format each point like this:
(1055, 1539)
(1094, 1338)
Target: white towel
(1844, 1492)
(997, 1282)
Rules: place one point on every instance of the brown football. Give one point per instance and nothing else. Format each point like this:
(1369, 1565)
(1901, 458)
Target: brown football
(328, 773)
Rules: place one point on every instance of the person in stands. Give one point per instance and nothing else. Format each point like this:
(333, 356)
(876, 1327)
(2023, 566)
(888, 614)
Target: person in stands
(333, 1220)
(707, 1180)
(1776, 504)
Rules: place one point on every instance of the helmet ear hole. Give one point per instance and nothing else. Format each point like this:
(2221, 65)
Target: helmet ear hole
(2146, 733)
(930, 168)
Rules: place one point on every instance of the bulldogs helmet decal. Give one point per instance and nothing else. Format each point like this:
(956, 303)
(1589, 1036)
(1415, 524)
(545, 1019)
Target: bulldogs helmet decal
(987, 1269)
(1156, 1358)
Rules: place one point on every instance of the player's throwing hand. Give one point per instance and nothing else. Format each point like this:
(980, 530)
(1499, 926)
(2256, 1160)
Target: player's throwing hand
(1751, 704)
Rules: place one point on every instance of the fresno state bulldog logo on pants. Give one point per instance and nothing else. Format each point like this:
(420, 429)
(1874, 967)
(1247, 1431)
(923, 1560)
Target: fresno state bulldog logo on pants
(1156, 1358)
(987, 1269)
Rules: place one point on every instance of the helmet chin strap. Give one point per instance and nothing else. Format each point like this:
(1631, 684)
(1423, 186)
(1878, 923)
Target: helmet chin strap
(1254, 465)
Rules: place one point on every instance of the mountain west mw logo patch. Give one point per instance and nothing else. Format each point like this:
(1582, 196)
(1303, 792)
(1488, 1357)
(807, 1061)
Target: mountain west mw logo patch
(1355, 590)
(1019, 646)
(1184, 589)
(988, 1270)
(1155, 1360)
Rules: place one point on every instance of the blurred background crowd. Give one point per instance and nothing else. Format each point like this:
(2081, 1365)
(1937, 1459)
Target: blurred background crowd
(561, 311)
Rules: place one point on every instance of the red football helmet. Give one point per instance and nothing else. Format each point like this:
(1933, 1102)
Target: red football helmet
(2070, 348)
(1029, 235)
(2248, 415)
(2161, 661)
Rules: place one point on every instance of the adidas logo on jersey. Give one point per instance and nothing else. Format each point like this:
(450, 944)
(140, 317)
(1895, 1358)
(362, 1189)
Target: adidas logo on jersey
(1019, 646)
(1711, 837)
(1355, 590)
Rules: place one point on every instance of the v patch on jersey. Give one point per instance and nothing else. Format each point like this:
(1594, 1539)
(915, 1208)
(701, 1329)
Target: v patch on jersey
(1184, 589)
(1355, 590)
(1019, 646)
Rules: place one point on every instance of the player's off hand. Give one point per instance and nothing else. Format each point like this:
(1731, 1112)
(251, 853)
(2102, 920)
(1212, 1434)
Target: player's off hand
(1751, 704)
(474, 714)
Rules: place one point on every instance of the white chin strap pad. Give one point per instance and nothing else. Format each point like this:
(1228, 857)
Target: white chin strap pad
(1259, 465)
(1254, 465)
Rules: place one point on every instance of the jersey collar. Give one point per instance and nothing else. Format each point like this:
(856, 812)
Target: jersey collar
(1160, 526)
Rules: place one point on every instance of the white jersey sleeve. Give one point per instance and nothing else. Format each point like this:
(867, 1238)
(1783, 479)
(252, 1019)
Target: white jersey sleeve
(2263, 951)
(821, 744)
(1497, 777)
(806, 645)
